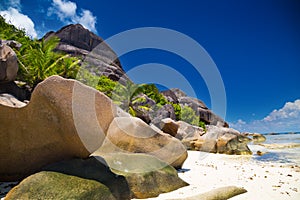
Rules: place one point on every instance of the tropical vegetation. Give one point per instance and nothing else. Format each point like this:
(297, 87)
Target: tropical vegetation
(39, 60)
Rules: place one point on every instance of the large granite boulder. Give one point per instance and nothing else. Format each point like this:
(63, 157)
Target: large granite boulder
(201, 110)
(9, 69)
(147, 176)
(131, 134)
(64, 119)
(98, 57)
(94, 168)
(54, 185)
(8, 63)
(222, 140)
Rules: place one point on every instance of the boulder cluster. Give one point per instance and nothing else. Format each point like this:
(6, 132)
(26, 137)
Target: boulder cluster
(71, 141)
(66, 121)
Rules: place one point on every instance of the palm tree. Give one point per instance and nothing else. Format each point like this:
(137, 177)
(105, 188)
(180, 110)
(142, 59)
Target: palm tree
(38, 61)
(123, 95)
(126, 96)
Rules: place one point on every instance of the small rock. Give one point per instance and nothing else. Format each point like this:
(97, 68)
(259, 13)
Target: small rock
(8, 63)
(260, 153)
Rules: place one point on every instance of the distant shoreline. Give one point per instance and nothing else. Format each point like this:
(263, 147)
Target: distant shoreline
(282, 133)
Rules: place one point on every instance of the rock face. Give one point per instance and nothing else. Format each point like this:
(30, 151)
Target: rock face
(8, 63)
(64, 119)
(206, 115)
(222, 140)
(53, 185)
(98, 57)
(130, 134)
(147, 176)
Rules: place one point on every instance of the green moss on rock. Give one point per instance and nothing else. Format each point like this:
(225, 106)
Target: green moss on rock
(53, 185)
(146, 175)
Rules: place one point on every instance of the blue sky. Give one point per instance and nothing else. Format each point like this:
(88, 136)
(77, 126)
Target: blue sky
(255, 45)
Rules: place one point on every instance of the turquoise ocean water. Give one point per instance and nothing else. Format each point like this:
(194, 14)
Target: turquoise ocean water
(283, 148)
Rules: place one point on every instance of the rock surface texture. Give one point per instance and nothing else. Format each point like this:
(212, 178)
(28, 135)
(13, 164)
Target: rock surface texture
(98, 57)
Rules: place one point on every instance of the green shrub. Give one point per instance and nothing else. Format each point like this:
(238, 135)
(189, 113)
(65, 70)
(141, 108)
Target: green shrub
(202, 125)
(177, 110)
(106, 85)
(189, 115)
(153, 93)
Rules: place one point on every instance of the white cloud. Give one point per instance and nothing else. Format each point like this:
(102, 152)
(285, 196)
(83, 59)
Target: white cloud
(241, 122)
(21, 21)
(284, 119)
(289, 110)
(88, 20)
(66, 11)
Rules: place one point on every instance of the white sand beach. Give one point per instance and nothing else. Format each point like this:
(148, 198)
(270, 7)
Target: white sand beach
(205, 172)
